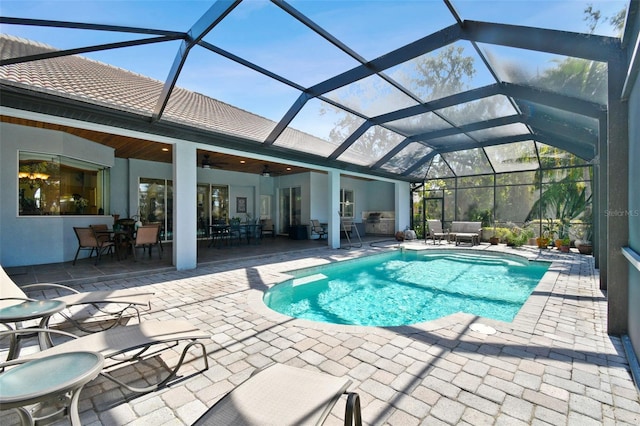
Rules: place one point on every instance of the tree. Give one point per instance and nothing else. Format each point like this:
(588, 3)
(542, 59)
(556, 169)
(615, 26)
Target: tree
(450, 71)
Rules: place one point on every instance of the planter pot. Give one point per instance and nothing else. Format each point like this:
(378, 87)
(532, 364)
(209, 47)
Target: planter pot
(564, 249)
(585, 249)
(543, 243)
(494, 241)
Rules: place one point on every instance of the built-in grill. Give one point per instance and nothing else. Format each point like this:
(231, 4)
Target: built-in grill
(373, 218)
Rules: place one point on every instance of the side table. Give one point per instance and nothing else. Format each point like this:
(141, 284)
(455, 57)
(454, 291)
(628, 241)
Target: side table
(46, 380)
(25, 311)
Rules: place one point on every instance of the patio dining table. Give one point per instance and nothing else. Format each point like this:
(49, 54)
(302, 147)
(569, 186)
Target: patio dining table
(251, 231)
(218, 232)
(224, 232)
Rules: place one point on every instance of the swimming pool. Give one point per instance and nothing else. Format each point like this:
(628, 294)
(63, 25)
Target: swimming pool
(403, 288)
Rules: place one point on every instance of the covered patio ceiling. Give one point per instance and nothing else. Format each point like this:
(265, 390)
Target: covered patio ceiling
(482, 85)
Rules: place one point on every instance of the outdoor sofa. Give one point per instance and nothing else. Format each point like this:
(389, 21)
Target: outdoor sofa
(466, 232)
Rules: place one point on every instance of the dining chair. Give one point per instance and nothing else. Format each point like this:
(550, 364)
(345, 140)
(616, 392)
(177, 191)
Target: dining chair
(317, 229)
(87, 240)
(235, 231)
(102, 231)
(266, 227)
(147, 236)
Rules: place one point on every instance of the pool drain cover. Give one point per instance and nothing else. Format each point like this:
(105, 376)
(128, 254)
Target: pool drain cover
(482, 328)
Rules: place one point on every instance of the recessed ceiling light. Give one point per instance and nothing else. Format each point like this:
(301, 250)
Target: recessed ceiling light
(242, 161)
(288, 169)
(165, 149)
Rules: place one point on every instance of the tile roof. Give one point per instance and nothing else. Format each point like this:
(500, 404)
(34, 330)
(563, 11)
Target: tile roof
(79, 78)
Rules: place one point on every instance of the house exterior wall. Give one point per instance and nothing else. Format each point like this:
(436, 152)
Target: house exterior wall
(32, 240)
(319, 208)
(380, 196)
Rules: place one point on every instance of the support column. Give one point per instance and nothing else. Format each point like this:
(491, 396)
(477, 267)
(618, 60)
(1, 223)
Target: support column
(600, 203)
(617, 207)
(402, 205)
(333, 204)
(185, 241)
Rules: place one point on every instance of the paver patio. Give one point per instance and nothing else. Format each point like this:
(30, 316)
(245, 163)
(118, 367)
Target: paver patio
(554, 364)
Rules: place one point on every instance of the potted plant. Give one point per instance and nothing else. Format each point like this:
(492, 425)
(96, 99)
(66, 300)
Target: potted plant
(495, 238)
(548, 231)
(542, 242)
(563, 233)
(516, 236)
(565, 244)
(509, 238)
(584, 245)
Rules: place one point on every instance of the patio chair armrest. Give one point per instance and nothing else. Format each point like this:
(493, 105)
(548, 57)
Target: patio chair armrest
(52, 285)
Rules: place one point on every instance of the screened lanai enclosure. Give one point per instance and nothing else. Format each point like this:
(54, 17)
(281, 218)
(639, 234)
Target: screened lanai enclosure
(482, 107)
(436, 97)
(526, 185)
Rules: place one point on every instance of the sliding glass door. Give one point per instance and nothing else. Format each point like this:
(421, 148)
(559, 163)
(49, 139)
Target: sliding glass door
(155, 204)
(289, 208)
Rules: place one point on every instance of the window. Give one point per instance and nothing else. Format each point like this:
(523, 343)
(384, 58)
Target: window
(213, 207)
(347, 203)
(58, 185)
(155, 204)
(219, 203)
(265, 207)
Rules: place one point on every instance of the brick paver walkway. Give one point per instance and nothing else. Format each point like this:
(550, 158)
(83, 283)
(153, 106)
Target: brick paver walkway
(554, 364)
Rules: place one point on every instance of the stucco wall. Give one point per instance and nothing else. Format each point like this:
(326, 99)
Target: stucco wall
(319, 208)
(380, 196)
(32, 240)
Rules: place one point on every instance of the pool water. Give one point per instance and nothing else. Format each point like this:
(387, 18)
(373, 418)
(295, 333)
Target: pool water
(403, 288)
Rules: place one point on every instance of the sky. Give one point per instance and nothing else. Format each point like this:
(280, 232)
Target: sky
(262, 33)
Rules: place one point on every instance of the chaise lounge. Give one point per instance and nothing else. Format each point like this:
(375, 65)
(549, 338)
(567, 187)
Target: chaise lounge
(124, 345)
(112, 304)
(284, 395)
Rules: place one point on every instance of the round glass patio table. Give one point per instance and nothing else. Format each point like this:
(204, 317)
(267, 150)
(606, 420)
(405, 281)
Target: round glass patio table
(46, 379)
(28, 310)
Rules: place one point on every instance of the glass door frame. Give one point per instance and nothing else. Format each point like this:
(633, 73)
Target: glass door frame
(289, 208)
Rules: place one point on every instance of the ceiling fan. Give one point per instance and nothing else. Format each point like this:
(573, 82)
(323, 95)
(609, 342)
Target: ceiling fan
(207, 163)
(266, 171)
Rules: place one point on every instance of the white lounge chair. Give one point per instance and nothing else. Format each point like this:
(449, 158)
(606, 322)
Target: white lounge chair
(112, 303)
(283, 395)
(124, 345)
